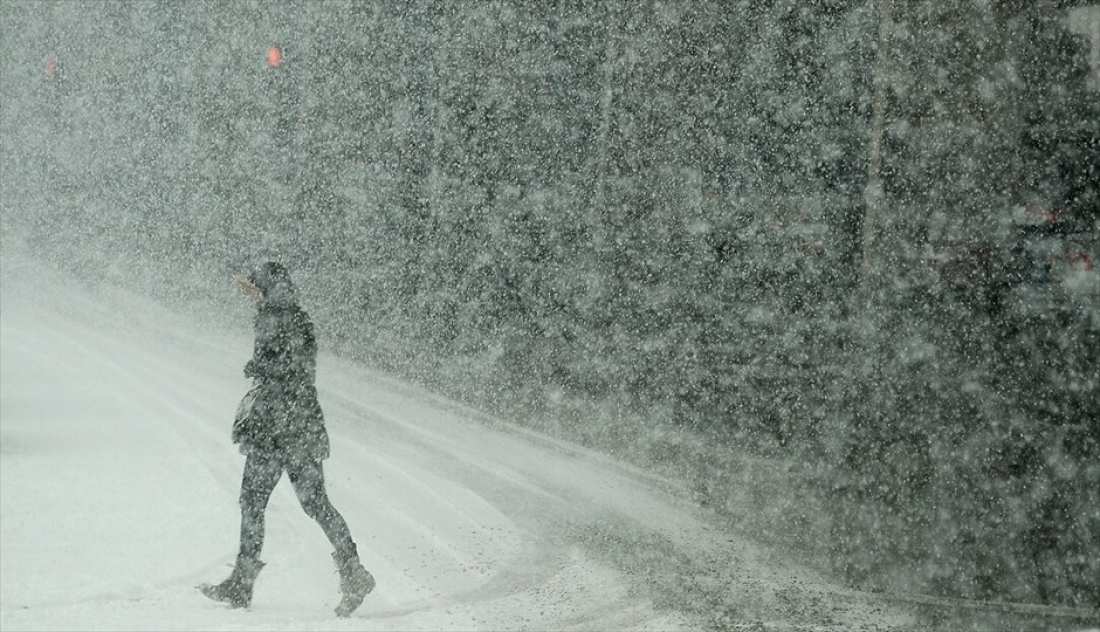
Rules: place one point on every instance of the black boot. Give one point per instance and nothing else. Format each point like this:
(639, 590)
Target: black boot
(355, 581)
(237, 589)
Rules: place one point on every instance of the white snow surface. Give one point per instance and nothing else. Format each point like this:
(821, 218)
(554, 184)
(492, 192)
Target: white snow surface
(119, 492)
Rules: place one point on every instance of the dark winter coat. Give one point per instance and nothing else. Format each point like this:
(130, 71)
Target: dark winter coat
(286, 418)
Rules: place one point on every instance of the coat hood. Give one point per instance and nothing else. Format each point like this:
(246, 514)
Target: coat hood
(274, 281)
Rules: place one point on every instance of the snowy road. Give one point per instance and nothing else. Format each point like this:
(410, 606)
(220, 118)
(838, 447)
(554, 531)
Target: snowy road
(119, 489)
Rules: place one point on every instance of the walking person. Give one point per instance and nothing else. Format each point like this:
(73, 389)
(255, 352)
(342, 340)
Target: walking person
(280, 427)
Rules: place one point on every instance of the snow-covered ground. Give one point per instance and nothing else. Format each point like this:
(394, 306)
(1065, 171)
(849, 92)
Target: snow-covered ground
(119, 494)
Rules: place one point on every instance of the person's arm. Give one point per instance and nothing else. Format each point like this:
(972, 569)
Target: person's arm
(303, 356)
(285, 348)
(270, 355)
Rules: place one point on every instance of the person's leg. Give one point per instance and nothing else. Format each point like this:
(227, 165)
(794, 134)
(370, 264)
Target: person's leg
(261, 474)
(355, 582)
(308, 479)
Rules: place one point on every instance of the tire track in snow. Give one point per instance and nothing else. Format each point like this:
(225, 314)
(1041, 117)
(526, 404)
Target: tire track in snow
(547, 555)
(430, 477)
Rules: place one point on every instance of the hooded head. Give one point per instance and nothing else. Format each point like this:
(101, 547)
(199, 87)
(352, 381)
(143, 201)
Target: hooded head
(273, 280)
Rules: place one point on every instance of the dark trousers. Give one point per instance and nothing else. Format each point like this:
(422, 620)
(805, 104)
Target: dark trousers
(261, 473)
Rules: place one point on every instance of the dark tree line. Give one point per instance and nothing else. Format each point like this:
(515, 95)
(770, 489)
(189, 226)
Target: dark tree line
(629, 223)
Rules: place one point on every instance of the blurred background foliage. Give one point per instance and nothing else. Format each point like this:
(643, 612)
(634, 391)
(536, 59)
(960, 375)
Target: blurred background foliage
(831, 261)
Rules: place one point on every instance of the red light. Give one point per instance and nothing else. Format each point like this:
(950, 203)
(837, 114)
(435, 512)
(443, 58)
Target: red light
(274, 57)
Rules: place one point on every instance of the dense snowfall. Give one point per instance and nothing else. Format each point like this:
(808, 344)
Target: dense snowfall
(649, 315)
